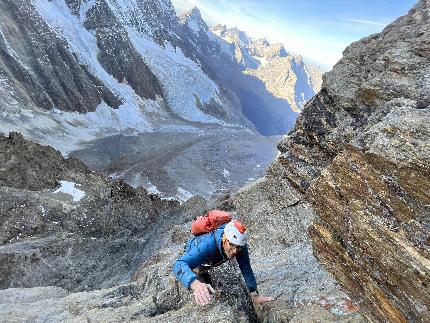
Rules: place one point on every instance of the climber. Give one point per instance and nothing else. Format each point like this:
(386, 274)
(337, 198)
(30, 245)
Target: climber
(213, 249)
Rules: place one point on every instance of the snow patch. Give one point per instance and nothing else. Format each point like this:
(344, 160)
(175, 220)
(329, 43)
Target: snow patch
(262, 60)
(151, 188)
(226, 173)
(183, 195)
(70, 189)
(194, 26)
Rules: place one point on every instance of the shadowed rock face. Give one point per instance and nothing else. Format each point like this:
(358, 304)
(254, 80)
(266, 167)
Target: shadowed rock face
(43, 71)
(117, 55)
(39, 170)
(360, 152)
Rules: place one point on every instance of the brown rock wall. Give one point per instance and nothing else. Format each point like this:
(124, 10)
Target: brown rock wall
(372, 235)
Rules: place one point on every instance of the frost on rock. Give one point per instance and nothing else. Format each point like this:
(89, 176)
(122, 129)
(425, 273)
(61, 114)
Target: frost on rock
(70, 189)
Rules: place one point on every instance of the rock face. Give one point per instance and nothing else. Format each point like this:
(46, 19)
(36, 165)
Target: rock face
(278, 218)
(373, 232)
(117, 54)
(33, 172)
(360, 153)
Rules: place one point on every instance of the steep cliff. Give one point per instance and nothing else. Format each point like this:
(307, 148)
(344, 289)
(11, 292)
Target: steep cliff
(360, 154)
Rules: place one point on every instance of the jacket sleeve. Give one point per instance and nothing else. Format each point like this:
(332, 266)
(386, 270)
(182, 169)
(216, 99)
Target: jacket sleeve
(245, 268)
(195, 255)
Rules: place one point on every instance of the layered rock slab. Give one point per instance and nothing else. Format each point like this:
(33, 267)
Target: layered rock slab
(373, 232)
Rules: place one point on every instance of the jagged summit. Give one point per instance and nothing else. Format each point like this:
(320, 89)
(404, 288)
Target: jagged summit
(194, 20)
(261, 42)
(237, 36)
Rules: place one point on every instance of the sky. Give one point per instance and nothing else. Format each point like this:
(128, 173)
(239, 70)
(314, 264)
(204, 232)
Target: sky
(319, 30)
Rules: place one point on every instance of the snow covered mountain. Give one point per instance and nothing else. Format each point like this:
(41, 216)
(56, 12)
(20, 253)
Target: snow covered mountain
(73, 70)
(120, 76)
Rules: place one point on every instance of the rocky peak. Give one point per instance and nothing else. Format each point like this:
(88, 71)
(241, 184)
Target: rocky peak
(194, 20)
(261, 42)
(219, 30)
(263, 48)
(236, 36)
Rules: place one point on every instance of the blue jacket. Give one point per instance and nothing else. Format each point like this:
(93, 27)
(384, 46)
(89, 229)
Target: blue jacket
(207, 249)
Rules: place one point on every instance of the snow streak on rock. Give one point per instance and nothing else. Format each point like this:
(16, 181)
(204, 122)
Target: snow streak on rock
(70, 189)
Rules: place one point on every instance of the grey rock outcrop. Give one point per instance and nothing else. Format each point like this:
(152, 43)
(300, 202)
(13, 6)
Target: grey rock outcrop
(108, 255)
(33, 172)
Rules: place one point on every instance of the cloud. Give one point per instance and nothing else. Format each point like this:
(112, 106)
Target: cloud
(363, 21)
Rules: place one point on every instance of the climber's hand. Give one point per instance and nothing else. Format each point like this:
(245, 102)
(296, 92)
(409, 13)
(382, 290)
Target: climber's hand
(202, 292)
(257, 299)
